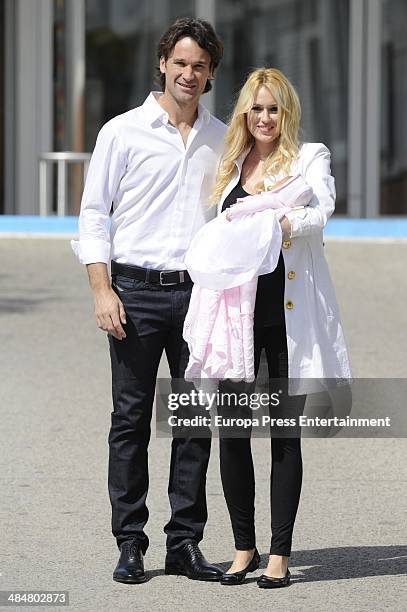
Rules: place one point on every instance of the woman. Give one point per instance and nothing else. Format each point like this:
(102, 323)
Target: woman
(296, 317)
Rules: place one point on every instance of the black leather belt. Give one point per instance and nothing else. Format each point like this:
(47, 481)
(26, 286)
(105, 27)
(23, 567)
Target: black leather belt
(159, 277)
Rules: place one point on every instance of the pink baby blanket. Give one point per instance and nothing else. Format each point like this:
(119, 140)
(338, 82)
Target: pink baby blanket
(224, 260)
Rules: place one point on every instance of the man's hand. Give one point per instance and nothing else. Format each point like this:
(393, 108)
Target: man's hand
(109, 310)
(109, 313)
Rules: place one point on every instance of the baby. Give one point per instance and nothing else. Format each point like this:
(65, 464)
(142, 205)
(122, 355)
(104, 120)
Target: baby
(288, 194)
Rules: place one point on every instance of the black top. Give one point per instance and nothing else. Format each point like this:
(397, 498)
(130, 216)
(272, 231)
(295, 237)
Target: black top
(269, 308)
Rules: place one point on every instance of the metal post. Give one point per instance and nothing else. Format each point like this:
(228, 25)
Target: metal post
(43, 189)
(61, 204)
(85, 170)
(62, 159)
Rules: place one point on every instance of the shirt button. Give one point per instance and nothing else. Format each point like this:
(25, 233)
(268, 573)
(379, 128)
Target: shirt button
(291, 275)
(286, 244)
(289, 305)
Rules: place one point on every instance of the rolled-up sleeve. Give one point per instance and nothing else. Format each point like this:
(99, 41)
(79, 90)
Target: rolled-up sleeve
(317, 174)
(106, 169)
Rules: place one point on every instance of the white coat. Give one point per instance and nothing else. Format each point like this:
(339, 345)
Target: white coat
(315, 340)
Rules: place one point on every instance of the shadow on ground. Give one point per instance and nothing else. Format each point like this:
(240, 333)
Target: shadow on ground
(334, 563)
(20, 305)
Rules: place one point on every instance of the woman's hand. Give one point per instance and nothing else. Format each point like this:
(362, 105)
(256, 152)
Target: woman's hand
(285, 226)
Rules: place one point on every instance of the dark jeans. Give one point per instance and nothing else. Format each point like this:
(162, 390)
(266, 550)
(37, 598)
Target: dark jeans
(155, 317)
(236, 462)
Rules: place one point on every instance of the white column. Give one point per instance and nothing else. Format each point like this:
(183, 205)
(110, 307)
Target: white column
(373, 105)
(9, 106)
(75, 74)
(33, 119)
(356, 104)
(75, 102)
(206, 9)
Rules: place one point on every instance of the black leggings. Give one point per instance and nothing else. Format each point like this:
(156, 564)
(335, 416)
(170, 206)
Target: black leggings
(236, 463)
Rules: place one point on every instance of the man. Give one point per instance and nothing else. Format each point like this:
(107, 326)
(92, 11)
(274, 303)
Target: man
(156, 164)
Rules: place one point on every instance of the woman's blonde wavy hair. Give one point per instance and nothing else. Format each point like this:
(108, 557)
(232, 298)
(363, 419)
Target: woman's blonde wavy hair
(238, 138)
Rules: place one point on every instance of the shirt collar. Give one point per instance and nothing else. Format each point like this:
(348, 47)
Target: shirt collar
(240, 159)
(154, 111)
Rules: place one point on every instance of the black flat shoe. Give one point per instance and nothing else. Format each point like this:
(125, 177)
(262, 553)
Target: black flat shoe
(238, 577)
(187, 560)
(130, 568)
(267, 582)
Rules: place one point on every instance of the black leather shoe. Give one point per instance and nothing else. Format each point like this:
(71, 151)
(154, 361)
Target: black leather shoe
(238, 577)
(130, 568)
(187, 560)
(267, 582)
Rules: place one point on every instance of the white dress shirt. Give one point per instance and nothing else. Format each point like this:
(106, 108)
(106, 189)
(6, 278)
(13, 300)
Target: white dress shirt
(159, 188)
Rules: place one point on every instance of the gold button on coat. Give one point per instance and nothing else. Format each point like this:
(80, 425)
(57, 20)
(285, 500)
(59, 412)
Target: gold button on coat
(286, 244)
(289, 305)
(291, 275)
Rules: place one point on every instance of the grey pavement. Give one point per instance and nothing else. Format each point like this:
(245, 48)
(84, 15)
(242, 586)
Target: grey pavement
(350, 544)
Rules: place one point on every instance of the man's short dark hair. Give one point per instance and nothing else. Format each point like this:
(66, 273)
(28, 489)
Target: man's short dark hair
(201, 32)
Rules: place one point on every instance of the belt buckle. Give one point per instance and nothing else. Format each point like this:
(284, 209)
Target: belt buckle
(163, 284)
